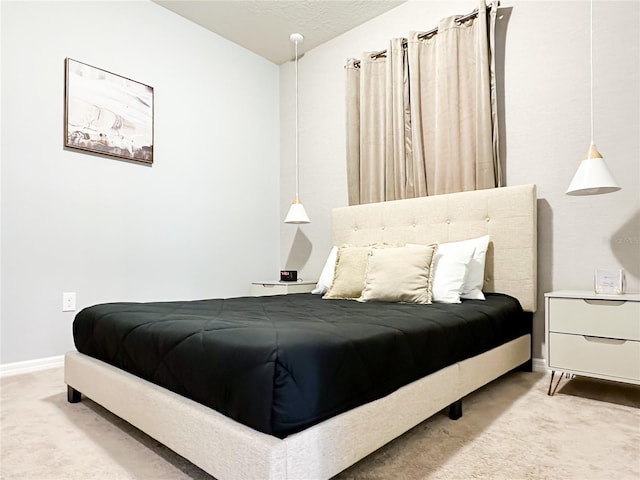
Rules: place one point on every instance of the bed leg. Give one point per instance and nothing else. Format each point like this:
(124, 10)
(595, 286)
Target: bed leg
(73, 395)
(526, 366)
(455, 410)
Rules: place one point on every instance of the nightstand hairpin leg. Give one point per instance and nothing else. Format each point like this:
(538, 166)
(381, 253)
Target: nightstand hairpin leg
(549, 392)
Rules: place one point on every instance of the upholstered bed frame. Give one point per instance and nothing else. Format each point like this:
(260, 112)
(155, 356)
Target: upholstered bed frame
(229, 450)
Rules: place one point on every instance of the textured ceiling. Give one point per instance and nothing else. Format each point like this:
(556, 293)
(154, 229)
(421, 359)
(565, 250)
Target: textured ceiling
(264, 26)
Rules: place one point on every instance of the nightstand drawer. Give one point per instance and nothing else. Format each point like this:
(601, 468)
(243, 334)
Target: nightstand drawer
(595, 317)
(261, 289)
(618, 359)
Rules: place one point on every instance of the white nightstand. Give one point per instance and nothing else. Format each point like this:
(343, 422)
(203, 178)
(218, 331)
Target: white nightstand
(275, 287)
(593, 335)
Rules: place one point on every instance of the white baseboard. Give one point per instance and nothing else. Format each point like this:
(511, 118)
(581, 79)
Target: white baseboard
(540, 365)
(29, 366)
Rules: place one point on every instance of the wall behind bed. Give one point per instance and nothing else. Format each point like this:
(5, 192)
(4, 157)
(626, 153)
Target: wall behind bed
(544, 101)
(201, 222)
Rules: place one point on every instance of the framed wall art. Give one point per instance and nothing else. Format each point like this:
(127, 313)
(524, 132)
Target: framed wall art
(107, 114)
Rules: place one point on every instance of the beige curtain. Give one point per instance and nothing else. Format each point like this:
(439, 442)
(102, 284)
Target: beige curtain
(353, 131)
(422, 120)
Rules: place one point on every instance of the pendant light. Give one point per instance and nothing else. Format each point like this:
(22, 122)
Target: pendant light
(296, 212)
(593, 177)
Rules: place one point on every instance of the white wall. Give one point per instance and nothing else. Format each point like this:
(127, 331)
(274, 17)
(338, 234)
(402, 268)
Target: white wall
(546, 131)
(201, 222)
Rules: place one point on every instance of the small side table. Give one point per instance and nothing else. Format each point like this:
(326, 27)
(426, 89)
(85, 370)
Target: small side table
(276, 287)
(593, 335)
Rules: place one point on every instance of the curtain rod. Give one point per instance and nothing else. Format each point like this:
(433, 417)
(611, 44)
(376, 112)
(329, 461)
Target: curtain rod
(423, 35)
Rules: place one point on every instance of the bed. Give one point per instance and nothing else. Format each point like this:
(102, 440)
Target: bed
(325, 444)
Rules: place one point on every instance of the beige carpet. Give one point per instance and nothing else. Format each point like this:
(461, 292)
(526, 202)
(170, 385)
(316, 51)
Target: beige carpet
(510, 430)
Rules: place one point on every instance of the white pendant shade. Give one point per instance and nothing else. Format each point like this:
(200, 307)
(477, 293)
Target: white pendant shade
(593, 177)
(297, 214)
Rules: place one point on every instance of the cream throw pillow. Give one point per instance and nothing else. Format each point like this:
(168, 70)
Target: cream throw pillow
(401, 274)
(349, 273)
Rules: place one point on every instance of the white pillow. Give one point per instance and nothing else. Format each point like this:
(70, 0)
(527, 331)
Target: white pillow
(451, 256)
(474, 282)
(450, 270)
(326, 277)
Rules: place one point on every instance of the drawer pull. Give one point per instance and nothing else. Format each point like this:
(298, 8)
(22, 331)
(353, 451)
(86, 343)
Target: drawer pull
(609, 341)
(605, 303)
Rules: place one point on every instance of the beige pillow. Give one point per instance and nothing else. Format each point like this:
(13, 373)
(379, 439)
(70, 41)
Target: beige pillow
(348, 277)
(402, 274)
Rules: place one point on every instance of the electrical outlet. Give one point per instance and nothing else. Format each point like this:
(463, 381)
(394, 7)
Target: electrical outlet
(69, 301)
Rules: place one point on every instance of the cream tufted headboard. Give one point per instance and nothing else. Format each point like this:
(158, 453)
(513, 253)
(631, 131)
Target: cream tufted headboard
(507, 214)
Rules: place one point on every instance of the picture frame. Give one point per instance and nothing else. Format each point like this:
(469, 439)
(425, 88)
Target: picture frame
(609, 281)
(107, 114)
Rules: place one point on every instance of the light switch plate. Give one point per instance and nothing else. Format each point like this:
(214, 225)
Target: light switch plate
(69, 301)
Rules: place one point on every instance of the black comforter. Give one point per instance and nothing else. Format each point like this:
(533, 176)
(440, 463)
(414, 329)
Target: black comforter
(280, 364)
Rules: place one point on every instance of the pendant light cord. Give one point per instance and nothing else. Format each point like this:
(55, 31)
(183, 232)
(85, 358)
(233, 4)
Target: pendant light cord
(591, 64)
(296, 211)
(297, 147)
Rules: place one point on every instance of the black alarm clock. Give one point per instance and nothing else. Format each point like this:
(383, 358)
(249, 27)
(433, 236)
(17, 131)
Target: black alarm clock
(288, 275)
